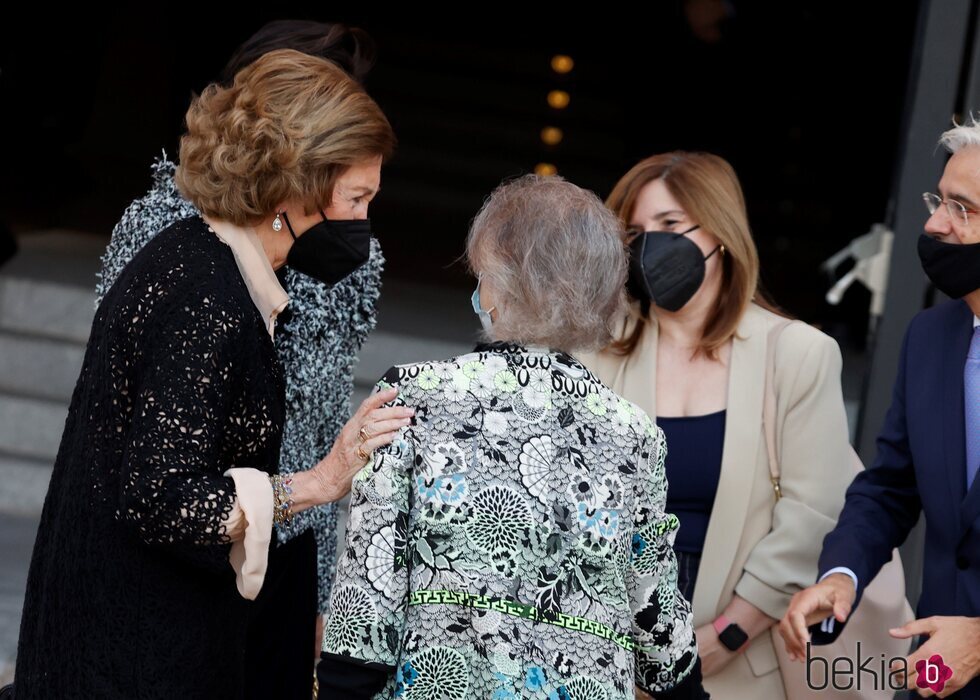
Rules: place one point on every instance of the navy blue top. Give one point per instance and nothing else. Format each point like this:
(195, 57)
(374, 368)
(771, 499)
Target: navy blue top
(694, 449)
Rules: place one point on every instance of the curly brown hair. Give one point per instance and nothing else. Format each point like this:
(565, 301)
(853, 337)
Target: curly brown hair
(287, 127)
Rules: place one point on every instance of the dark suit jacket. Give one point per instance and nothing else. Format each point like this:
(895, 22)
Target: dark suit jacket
(920, 466)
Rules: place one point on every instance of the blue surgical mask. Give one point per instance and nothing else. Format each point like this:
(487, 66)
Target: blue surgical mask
(485, 320)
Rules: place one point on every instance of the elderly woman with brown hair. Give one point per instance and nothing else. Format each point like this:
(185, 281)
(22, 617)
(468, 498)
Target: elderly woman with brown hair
(318, 335)
(514, 543)
(158, 520)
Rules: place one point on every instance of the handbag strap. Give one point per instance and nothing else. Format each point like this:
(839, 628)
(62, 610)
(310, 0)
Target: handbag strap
(769, 404)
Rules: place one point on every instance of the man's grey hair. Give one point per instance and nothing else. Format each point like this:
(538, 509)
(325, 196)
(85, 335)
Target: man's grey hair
(961, 135)
(555, 259)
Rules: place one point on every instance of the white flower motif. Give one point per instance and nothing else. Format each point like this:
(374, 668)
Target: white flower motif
(505, 382)
(473, 369)
(495, 423)
(453, 393)
(595, 404)
(534, 398)
(427, 379)
(494, 365)
(461, 381)
(444, 370)
(540, 380)
(482, 387)
(621, 422)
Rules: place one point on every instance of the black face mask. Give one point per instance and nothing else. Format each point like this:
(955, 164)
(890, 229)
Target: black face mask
(954, 269)
(330, 250)
(666, 268)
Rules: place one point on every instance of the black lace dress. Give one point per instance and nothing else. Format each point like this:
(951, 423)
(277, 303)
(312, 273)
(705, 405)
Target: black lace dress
(130, 592)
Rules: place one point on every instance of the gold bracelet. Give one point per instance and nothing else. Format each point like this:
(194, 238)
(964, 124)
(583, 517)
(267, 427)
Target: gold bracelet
(282, 499)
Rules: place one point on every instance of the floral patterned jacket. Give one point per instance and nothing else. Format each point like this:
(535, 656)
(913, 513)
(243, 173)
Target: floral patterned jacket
(513, 542)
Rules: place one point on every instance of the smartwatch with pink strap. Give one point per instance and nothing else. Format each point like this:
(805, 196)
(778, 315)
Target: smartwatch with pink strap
(729, 633)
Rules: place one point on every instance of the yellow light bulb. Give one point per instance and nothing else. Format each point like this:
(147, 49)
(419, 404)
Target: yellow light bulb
(558, 99)
(552, 135)
(562, 64)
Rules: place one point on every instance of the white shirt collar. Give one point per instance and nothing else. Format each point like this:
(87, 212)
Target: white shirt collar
(263, 286)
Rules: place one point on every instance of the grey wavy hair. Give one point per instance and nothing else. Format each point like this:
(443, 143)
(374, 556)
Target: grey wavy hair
(554, 257)
(961, 135)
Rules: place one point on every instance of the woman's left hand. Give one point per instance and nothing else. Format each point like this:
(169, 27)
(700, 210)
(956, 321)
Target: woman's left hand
(368, 429)
(714, 655)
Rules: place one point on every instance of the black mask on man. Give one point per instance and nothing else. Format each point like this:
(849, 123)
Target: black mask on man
(954, 269)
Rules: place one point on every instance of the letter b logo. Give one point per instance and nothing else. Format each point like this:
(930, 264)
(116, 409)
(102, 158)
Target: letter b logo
(932, 673)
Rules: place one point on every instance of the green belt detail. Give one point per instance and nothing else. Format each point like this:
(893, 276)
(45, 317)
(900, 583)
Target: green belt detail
(668, 524)
(527, 612)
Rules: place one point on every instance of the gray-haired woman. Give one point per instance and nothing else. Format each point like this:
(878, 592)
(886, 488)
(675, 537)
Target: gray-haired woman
(513, 542)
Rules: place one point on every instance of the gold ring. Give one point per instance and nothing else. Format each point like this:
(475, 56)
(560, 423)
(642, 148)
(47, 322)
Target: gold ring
(362, 454)
(363, 433)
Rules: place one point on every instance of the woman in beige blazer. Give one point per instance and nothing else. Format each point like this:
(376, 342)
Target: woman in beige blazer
(693, 348)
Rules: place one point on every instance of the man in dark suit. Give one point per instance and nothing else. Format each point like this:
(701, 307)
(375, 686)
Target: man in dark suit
(928, 455)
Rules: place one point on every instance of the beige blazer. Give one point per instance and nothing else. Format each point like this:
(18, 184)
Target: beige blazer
(764, 552)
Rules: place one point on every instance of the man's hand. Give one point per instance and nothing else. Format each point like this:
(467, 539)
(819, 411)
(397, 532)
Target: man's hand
(955, 639)
(832, 596)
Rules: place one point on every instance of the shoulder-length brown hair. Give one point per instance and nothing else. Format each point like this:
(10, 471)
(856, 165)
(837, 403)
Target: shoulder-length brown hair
(706, 186)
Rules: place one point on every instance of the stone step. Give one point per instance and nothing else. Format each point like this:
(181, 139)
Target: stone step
(31, 427)
(46, 309)
(38, 366)
(23, 485)
(17, 534)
